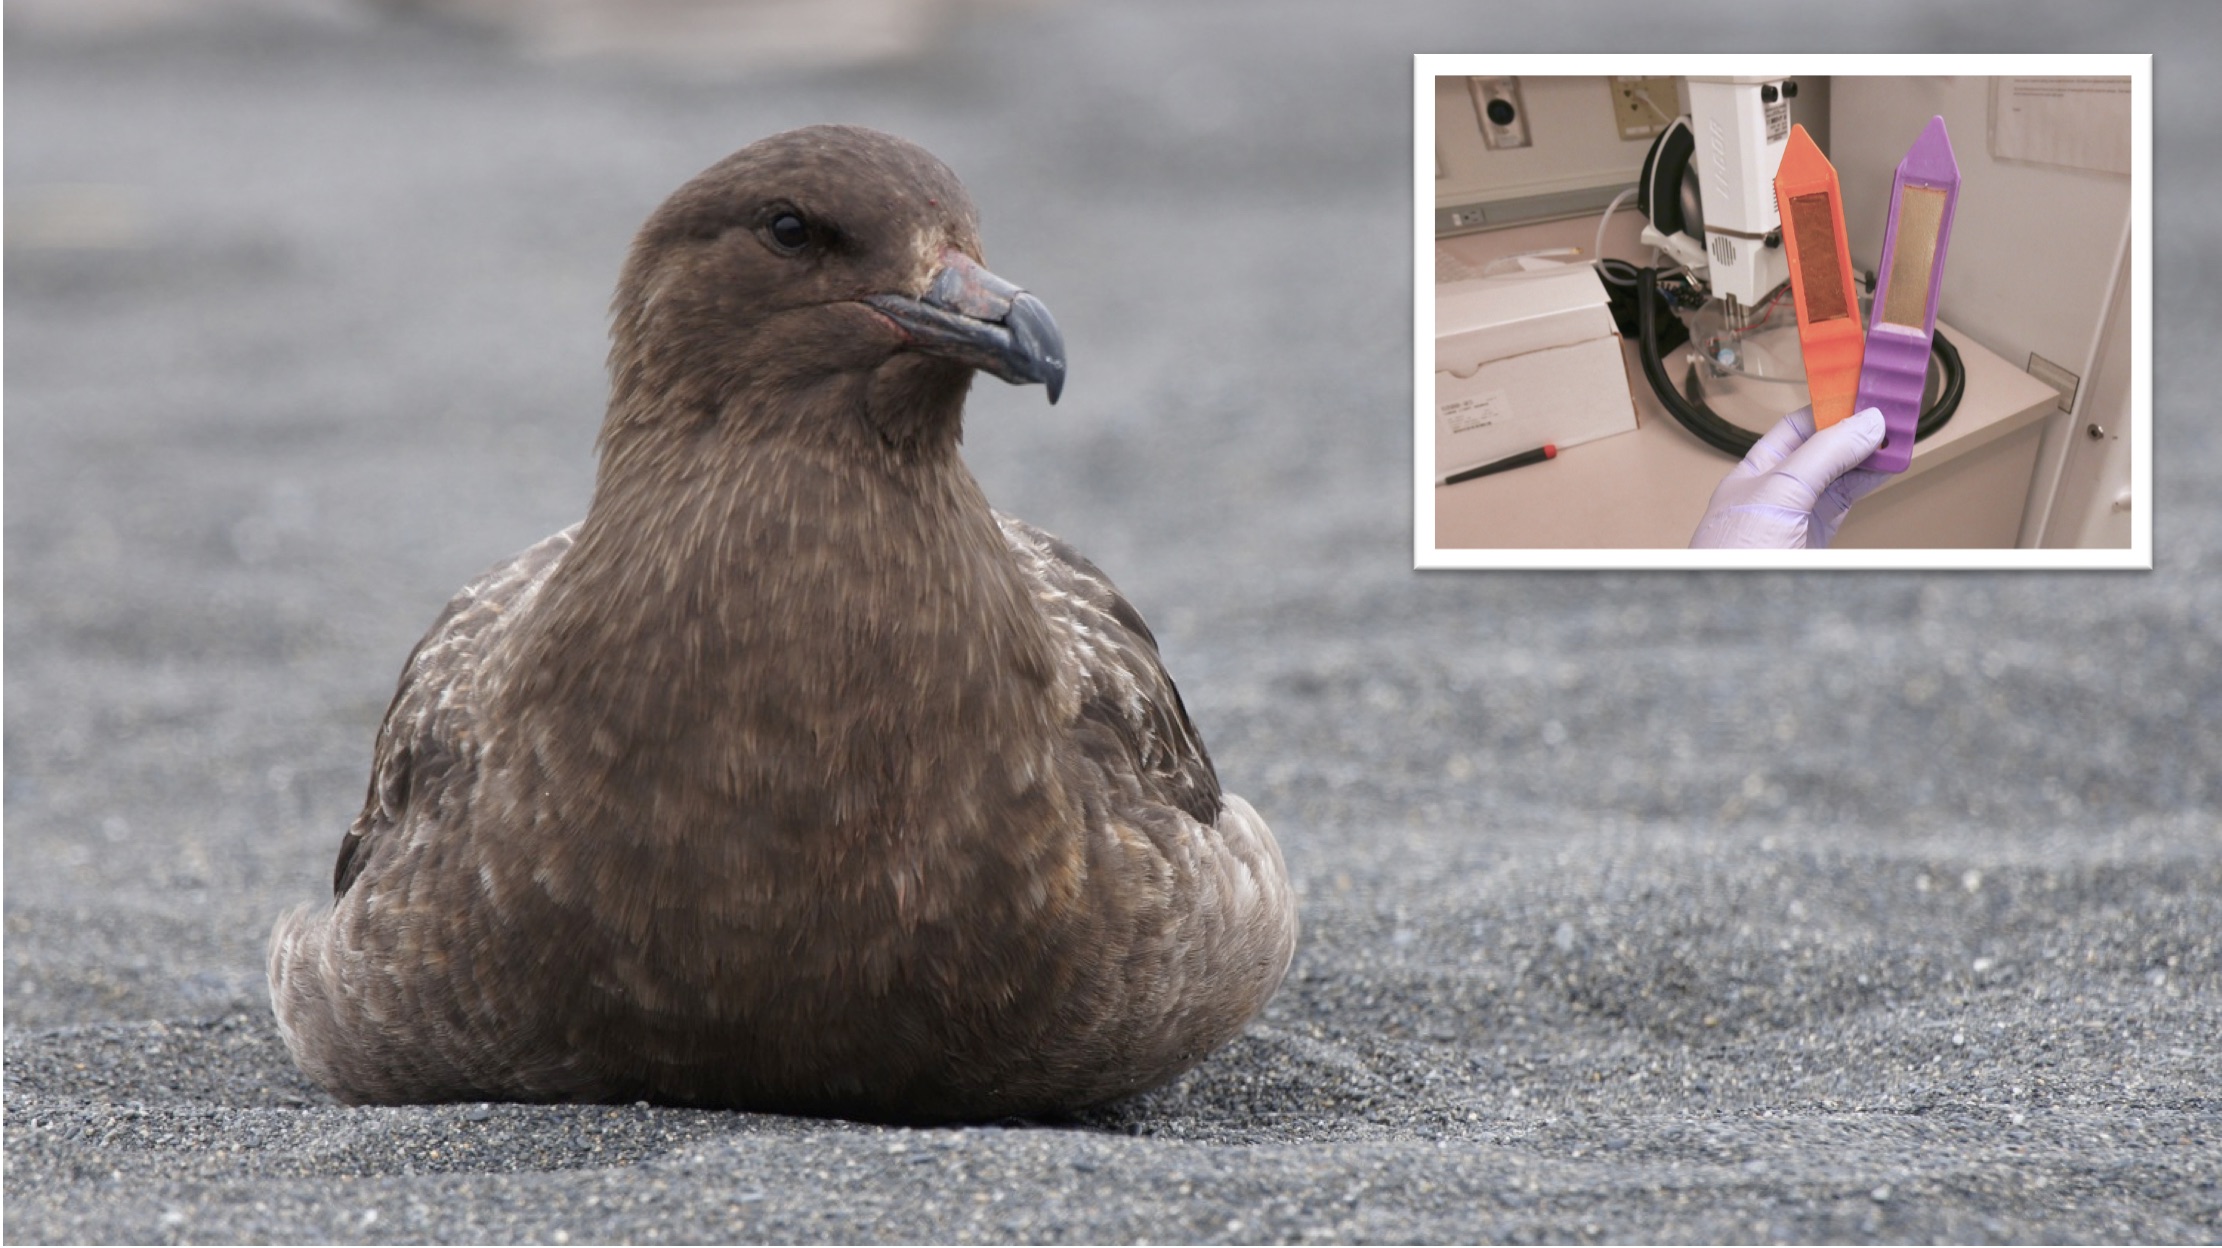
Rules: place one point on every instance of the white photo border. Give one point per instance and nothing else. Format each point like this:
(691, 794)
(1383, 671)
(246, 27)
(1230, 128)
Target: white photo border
(2135, 66)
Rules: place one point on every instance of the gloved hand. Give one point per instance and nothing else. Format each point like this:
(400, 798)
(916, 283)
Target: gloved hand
(1794, 487)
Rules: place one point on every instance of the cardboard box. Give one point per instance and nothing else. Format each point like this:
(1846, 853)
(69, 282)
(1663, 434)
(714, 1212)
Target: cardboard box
(1525, 359)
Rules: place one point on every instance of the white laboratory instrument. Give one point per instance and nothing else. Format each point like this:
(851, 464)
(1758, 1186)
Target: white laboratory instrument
(1708, 187)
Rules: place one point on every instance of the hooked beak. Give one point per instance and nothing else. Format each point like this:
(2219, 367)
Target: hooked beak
(973, 317)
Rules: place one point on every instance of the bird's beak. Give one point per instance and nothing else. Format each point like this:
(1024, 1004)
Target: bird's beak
(973, 317)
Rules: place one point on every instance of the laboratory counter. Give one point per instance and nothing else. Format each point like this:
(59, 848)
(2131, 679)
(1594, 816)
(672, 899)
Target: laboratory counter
(1966, 488)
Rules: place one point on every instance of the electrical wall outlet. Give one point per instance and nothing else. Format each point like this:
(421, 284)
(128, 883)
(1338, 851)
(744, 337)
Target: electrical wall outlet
(1503, 117)
(1460, 220)
(1642, 107)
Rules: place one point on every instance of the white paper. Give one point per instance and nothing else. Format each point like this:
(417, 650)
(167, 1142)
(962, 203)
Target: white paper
(2077, 123)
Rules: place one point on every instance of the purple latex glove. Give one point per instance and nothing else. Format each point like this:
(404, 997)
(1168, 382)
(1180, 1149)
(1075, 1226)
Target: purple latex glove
(1794, 487)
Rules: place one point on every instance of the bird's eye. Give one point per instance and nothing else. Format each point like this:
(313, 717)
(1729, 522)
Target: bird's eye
(789, 232)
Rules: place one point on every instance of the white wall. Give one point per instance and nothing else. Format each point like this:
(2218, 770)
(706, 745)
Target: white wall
(1575, 140)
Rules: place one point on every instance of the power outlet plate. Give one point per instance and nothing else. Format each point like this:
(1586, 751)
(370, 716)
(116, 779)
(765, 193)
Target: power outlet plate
(1642, 107)
(1499, 109)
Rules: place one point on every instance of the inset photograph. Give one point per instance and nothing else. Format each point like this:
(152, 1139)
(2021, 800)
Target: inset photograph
(1870, 311)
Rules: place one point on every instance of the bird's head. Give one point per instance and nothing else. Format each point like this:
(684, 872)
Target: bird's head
(816, 276)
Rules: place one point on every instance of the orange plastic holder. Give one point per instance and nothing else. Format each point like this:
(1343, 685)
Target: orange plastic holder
(1829, 332)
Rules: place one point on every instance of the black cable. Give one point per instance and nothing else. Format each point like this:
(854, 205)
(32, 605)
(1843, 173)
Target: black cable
(1734, 440)
(1954, 376)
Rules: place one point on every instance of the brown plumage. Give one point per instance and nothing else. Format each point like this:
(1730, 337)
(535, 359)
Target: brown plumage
(794, 777)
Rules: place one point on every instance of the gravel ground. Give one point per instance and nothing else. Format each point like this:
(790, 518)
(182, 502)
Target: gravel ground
(1638, 907)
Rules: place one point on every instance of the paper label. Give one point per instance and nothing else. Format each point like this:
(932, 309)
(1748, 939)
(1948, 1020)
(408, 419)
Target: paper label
(1477, 411)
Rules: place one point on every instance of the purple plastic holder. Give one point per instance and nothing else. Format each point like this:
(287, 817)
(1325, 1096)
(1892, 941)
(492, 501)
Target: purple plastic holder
(1895, 368)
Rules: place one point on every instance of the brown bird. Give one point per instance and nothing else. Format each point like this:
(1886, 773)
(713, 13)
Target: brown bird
(794, 777)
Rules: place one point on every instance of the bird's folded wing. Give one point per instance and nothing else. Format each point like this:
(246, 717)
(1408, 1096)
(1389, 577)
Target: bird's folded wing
(1132, 722)
(427, 747)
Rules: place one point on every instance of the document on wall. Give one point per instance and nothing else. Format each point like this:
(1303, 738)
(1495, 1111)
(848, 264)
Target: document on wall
(2077, 123)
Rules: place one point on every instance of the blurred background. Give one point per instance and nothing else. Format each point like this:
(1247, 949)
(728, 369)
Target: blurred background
(713, 38)
(305, 322)
(305, 327)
